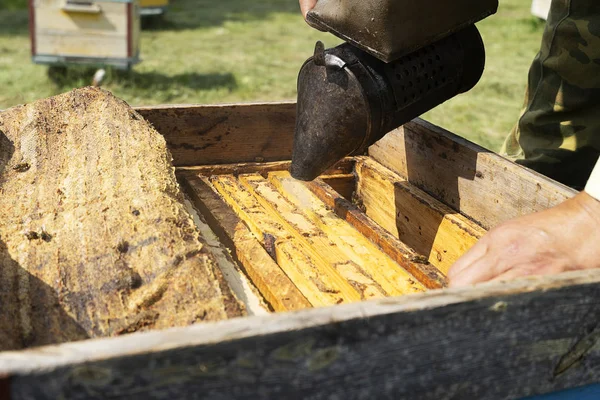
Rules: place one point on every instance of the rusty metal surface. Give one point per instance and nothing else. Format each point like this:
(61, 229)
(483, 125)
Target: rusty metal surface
(389, 29)
(349, 99)
(332, 113)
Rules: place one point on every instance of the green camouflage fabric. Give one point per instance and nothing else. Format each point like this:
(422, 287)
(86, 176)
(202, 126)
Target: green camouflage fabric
(558, 133)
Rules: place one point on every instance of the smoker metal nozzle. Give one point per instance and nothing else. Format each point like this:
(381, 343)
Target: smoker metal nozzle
(348, 99)
(331, 115)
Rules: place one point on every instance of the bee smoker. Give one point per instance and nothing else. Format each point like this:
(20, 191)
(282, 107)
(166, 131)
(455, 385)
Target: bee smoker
(350, 96)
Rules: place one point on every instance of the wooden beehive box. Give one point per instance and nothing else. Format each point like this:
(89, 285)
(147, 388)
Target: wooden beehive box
(153, 7)
(359, 256)
(105, 32)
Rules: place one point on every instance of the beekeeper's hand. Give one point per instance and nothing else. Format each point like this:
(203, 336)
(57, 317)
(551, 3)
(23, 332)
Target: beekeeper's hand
(306, 6)
(562, 238)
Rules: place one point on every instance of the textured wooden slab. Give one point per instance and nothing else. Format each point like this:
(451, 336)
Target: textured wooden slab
(94, 238)
(496, 341)
(342, 238)
(417, 219)
(414, 263)
(478, 183)
(500, 340)
(267, 276)
(318, 280)
(310, 248)
(221, 134)
(240, 284)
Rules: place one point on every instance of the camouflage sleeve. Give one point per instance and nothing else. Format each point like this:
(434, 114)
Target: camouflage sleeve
(558, 133)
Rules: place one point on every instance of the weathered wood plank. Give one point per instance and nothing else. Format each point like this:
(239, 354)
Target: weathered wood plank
(225, 134)
(417, 265)
(340, 169)
(318, 281)
(339, 241)
(480, 184)
(277, 289)
(344, 184)
(492, 341)
(308, 235)
(240, 285)
(423, 223)
(237, 168)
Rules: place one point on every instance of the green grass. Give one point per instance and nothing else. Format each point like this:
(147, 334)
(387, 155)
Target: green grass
(486, 114)
(241, 50)
(13, 4)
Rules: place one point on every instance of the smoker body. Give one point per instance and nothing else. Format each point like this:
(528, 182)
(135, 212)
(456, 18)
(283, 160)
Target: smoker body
(390, 71)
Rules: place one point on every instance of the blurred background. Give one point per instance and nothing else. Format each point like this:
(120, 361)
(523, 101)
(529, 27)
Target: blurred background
(225, 51)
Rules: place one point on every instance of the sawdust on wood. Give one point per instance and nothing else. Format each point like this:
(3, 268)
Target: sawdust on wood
(94, 236)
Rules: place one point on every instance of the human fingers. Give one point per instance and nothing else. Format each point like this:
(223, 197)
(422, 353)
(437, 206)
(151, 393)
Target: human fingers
(475, 253)
(306, 6)
(479, 271)
(515, 272)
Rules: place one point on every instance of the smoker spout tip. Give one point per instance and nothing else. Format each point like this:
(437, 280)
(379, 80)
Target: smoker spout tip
(303, 174)
(332, 119)
(300, 178)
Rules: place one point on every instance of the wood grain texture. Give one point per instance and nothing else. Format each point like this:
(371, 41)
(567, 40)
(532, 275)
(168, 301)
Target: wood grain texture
(358, 260)
(316, 279)
(428, 226)
(343, 167)
(225, 134)
(344, 184)
(416, 264)
(239, 283)
(493, 341)
(275, 286)
(94, 237)
(338, 255)
(480, 184)
(310, 236)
